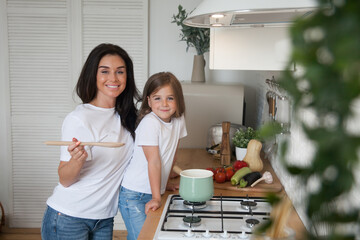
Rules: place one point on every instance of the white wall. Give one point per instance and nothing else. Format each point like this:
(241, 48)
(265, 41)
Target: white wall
(167, 53)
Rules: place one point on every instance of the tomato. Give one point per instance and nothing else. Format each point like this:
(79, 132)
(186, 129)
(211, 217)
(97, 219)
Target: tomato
(228, 174)
(220, 169)
(213, 171)
(229, 167)
(220, 177)
(239, 164)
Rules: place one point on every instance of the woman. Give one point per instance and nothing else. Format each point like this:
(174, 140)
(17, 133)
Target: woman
(84, 203)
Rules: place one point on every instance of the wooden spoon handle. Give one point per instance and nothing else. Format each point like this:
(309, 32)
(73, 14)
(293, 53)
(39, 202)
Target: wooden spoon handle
(177, 169)
(100, 144)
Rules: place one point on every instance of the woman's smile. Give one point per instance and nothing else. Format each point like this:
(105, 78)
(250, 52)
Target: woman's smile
(112, 86)
(111, 80)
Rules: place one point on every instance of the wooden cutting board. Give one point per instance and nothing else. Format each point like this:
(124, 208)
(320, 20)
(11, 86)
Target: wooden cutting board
(275, 186)
(260, 187)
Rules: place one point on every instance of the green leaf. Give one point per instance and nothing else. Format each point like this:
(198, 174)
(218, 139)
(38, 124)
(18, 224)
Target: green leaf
(199, 38)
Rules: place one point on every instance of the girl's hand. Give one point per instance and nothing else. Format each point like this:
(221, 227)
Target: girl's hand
(77, 152)
(172, 186)
(173, 174)
(153, 204)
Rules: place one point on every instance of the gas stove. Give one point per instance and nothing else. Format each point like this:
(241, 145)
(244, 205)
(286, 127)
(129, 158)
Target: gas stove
(222, 217)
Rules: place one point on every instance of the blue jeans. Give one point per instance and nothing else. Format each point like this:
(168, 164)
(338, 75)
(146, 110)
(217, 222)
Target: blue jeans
(132, 208)
(56, 225)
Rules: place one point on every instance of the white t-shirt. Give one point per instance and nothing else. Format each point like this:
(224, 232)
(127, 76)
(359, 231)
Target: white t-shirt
(152, 131)
(95, 194)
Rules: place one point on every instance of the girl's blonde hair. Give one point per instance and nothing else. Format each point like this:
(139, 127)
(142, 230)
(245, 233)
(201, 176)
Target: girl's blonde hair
(153, 84)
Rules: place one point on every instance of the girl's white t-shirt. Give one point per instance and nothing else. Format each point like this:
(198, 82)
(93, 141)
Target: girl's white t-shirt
(152, 131)
(95, 194)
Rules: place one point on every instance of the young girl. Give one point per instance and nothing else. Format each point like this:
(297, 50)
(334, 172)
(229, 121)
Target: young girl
(161, 125)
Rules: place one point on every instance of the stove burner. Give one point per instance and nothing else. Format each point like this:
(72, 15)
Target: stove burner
(247, 204)
(251, 222)
(192, 221)
(194, 205)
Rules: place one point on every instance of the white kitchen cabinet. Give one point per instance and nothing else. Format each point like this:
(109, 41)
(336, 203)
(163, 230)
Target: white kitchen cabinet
(260, 48)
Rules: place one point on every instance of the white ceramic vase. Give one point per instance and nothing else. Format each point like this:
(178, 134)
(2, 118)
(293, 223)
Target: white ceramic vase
(240, 153)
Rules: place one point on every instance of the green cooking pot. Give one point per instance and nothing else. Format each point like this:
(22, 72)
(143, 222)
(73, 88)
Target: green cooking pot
(196, 185)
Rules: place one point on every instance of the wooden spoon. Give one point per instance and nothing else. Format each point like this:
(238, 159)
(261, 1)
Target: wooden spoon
(99, 144)
(177, 169)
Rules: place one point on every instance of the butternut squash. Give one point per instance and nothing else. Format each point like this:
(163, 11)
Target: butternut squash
(252, 157)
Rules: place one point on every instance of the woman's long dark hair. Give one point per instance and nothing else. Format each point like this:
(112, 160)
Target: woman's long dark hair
(86, 87)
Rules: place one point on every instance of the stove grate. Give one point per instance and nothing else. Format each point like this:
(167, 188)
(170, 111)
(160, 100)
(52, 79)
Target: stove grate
(213, 214)
(218, 212)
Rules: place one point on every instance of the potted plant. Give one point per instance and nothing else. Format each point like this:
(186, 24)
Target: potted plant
(241, 139)
(326, 48)
(199, 38)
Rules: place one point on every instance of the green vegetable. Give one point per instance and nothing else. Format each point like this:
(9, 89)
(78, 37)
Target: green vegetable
(243, 183)
(243, 136)
(235, 179)
(250, 178)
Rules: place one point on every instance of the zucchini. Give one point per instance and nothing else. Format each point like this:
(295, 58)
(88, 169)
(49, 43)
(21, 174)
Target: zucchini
(243, 183)
(235, 179)
(250, 178)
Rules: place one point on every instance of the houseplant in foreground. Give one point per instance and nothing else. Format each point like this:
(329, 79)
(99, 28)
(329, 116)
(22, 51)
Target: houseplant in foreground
(199, 38)
(327, 50)
(241, 140)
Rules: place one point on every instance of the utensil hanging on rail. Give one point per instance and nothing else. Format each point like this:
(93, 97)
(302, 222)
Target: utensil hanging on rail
(99, 144)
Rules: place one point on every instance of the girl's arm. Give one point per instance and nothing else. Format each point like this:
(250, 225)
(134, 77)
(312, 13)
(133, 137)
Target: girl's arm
(154, 169)
(69, 171)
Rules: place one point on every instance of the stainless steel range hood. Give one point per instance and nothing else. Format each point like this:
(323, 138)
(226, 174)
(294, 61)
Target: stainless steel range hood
(249, 13)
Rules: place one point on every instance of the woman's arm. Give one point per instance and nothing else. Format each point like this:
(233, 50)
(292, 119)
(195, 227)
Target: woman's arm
(69, 171)
(154, 169)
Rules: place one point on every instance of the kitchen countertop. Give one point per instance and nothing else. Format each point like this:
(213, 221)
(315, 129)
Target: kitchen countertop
(199, 158)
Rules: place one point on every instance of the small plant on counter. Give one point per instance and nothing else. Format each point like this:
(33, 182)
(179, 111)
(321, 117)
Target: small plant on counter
(242, 137)
(199, 38)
